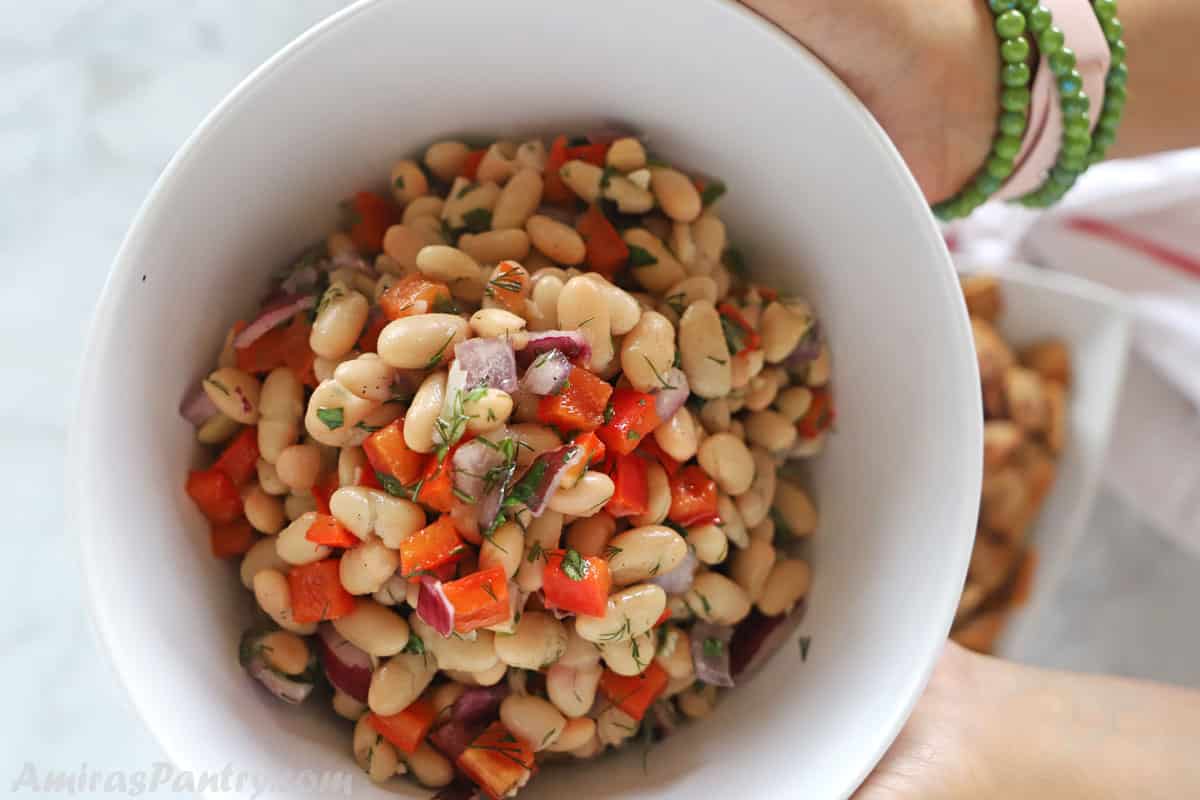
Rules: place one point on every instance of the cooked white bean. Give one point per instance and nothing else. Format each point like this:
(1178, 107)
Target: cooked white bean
(629, 613)
(582, 306)
(444, 697)
(532, 719)
(727, 460)
(771, 430)
(583, 179)
(274, 597)
(682, 244)
(614, 726)
(630, 196)
(217, 429)
(473, 655)
(408, 182)
(752, 506)
(234, 393)
(676, 194)
(366, 567)
(715, 598)
(764, 530)
(541, 535)
(629, 656)
(708, 232)
(751, 567)
(363, 510)
(351, 466)
(544, 291)
(586, 497)
(589, 536)
(677, 298)
(534, 439)
(518, 200)
(333, 414)
(679, 436)
(428, 766)
(422, 341)
(373, 753)
(761, 391)
(657, 269)
(323, 367)
(281, 405)
(228, 355)
(447, 159)
(793, 402)
(495, 322)
(559, 242)
(785, 586)
(423, 412)
(294, 548)
(709, 542)
(715, 415)
(402, 243)
(341, 315)
(299, 466)
(503, 549)
(498, 162)
(539, 641)
(703, 352)
(487, 410)
(659, 497)
(374, 628)
(795, 508)
(263, 512)
(575, 734)
(346, 706)
(260, 556)
(488, 677)
(399, 681)
(697, 703)
(297, 505)
(426, 206)
(626, 155)
(675, 654)
(573, 689)
(820, 369)
(532, 154)
(781, 328)
(639, 554)
(268, 478)
(367, 376)
(491, 247)
(648, 352)
(394, 592)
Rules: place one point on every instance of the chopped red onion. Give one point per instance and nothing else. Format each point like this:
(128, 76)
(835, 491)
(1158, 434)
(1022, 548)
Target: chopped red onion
(570, 343)
(285, 688)
(470, 715)
(271, 316)
(547, 373)
(679, 578)
(710, 653)
(471, 463)
(354, 261)
(346, 666)
(487, 362)
(455, 736)
(806, 350)
(546, 473)
(434, 607)
(197, 407)
(757, 637)
(673, 395)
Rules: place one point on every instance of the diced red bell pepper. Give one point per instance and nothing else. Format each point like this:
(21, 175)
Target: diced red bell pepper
(431, 547)
(239, 459)
(593, 153)
(554, 190)
(651, 448)
(470, 169)
(606, 250)
(367, 477)
(632, 494)
(414, 295)
(281, 347)
(508, 287)
(593, 450)
(368, 342)
(322, 490)
(582, 587)
(820, 415)
(479, 599)
(633, 419)
(408, 728)
(437, 485)
(497, 761)
(738, 328)
(328, 531)
(231, 539)
(317, 592)
(634, 694)
(663, 617)
(693, 497)
(390, 454)
(215, 494)
(579, 406)
(369, 216)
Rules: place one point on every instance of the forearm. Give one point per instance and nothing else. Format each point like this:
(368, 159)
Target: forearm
(1163, 111)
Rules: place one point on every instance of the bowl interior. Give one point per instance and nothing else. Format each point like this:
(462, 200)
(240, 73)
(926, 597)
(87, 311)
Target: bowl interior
(819, 202)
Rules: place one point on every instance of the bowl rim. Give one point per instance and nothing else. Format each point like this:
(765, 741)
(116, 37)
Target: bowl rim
(78, 444)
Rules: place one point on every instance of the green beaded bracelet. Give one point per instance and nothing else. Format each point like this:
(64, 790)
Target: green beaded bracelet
(1015, 97)
(1114, 83)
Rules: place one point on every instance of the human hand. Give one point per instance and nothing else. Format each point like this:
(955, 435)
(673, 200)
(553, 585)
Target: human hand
(926, 70)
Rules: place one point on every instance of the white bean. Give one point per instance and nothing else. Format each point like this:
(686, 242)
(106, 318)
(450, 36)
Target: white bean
(575, 734)
(675, 654)
(532, 154)
(677, 298)
(447, 159)
(217, 429)
(367, 376)
(423, 412)
(541, 536)
(399, 681)
(429, 205)
(497, 163)
(454, 268)
(487, 410)
(281, 406)
(629, 613)
(770, 430)
(543, 302)
(586, 497)
(715, 598)
(518, 200)
(641, 553)
(341, 315)
(751, 567)
(676, 194)
(428, 766)
(376, 755)
(374, 628)
(582, 306)
(793, 402)
(532, 719)
(495, 322)
(408, 182)
(629, 195)
(366, 567)
(659, 497)
(539, 641)
(781, 328)
(333, 414)
(703, 352)
(708, 232)
(263, 512)
(274, 597)
(559, 242)
(820, 369)
(727, 460)
(795, 508)
(347, 707)
(297, 505)
(656, 270)
(583, 179)
(626, 155)
(648, 352)
(234, 393)
(260, 556)
(573, 689)
(614, 726)
(589, 536)
(294, 548)
(421, 342)
(454, 652)
(715, 415)
(709, 542)
(679, 436)
(299, 466)
(697, 703)
(503, 549)
(629, 656)
(787, 583)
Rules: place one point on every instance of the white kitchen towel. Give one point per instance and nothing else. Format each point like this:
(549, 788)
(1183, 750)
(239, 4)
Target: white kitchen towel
(1133, 225)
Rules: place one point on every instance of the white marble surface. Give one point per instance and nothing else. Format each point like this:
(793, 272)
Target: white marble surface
(95, 95)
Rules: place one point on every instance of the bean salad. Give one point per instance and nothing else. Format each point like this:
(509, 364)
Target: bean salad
(507, 461)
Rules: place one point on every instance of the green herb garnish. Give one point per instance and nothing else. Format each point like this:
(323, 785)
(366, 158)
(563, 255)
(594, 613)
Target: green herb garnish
(415, 645)
(574, 566)
(713, 647)
(333, 418)
(640, 257)
(478, 220)
(712, 193)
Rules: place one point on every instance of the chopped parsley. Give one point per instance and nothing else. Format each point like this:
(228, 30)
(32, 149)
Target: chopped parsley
(506, 282)
(368, 428)
(399, 183)
(632, 435)
(608, 413)
(661, 379)
(713, 647)
(640, 257)
(733, 259)
(444, 304)
(735, 334)
(465, 190)
(333, 418)
(478, 220)
(717, 360)
(415, 645)
(436, 358)
(676, 302)
(574, 566)
(535, 552)
(713, 192)
(805, 641)
(612, 552)
(391, 485)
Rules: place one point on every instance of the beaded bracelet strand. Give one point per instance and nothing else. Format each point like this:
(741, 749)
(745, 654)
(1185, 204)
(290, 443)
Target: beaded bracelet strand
(1015, 98)
(1114, 83)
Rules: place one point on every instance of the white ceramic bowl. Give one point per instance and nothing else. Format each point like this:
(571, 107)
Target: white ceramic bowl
(820, 202)
(1094, 322)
